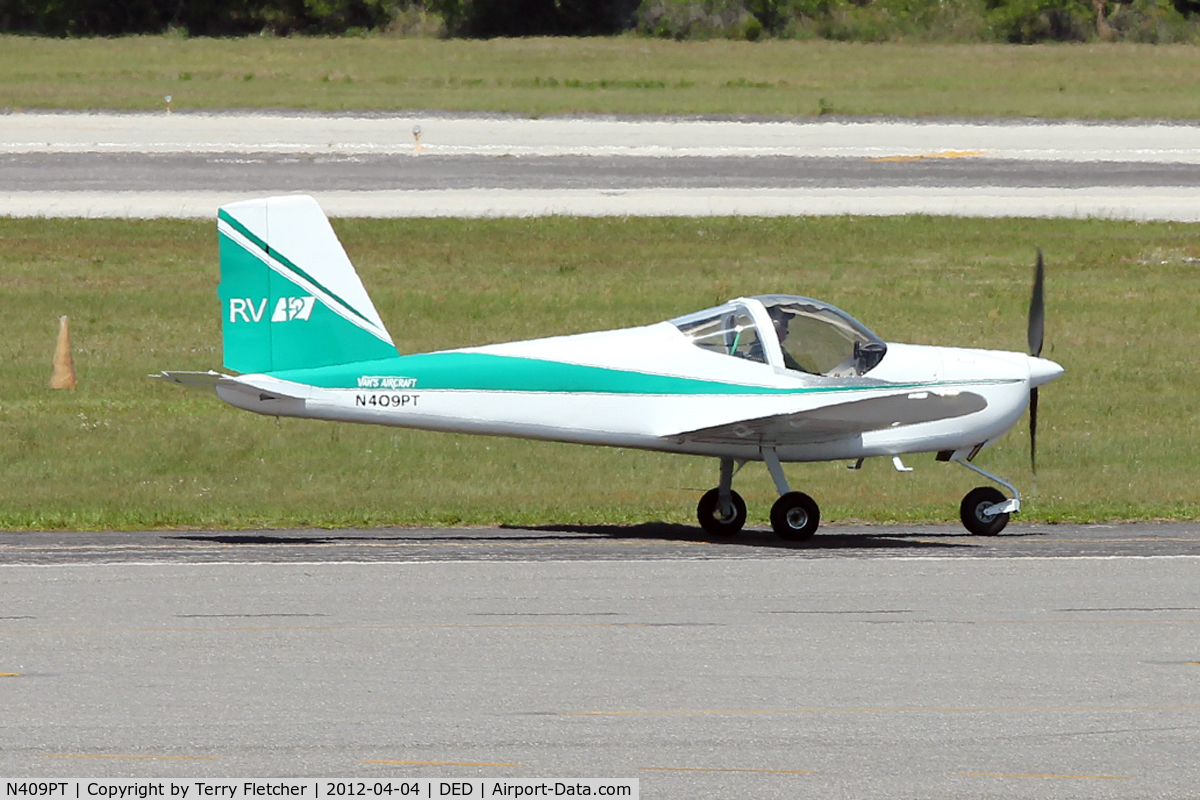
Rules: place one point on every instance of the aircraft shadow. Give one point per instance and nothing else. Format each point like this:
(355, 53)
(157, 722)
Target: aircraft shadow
(749, 538)
(255, 539)
(660, 531)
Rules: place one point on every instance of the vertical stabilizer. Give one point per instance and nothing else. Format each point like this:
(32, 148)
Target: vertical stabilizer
(290, 298)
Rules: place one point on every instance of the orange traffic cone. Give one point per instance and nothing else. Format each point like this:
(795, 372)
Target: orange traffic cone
(63, 376)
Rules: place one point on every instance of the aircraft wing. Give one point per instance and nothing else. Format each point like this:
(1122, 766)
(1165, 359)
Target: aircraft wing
(839, 420)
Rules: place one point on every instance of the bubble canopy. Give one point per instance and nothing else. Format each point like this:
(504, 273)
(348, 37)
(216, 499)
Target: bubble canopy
(794, 333)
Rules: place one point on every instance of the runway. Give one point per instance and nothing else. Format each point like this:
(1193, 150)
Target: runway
(136, 172)
(1051, 662)
(140, 165)
(560, 543)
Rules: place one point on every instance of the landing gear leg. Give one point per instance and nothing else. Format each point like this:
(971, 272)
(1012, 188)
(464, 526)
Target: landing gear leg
(985, 510)
(795, 516)
(722, 511)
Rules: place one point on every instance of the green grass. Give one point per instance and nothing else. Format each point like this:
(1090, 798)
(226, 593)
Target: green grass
(622, 75)
(1119, 432)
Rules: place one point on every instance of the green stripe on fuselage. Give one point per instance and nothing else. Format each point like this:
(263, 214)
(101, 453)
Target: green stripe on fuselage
(485, 372)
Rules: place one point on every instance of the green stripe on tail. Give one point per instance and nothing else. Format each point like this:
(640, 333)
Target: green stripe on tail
(284, 280)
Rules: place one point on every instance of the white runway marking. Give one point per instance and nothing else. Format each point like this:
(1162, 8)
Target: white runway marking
(1177, 204)
(599, 136)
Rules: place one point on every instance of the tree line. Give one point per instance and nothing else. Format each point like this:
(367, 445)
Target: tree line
(1018, 21)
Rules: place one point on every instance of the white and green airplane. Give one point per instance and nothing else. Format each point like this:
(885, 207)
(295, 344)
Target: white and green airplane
(774, 378)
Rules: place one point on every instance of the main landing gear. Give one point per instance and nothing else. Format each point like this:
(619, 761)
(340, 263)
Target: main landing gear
(722, 511)
(795, 516)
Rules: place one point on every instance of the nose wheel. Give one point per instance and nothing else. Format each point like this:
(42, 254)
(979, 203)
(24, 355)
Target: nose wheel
(979, 511)
(985, 510)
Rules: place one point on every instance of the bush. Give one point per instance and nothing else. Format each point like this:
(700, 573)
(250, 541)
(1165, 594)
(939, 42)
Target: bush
(886, 20)
(1029, 21)
(1153, 22)
(417, 22)
(489, 18)
(197, 18)
(697, 19)
(1019, 21)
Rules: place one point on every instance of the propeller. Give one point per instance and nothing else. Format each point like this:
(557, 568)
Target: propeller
(1037, 331)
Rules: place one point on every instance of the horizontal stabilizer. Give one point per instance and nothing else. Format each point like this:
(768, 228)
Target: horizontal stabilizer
(196, 380)
(841, 419)
(260, 394)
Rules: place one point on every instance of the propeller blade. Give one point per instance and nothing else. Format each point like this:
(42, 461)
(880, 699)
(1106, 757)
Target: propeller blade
(1037, 309)
(1037, 332)
(1033, 403)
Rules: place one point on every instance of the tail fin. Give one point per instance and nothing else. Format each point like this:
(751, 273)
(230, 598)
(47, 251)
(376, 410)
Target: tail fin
(290, 298)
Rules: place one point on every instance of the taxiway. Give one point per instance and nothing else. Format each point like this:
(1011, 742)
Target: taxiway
(1051, 662)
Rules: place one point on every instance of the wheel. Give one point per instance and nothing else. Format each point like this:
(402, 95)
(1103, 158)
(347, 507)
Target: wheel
(711, 518)
(795, 517)
(974, 515)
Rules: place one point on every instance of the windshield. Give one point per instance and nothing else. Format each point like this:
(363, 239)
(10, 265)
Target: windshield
(728, 329)
(817, 338)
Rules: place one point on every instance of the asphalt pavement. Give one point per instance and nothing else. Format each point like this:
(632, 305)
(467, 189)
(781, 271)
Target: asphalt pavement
(142, 172)
(148, 165)
(1051, 662)
(647, 542)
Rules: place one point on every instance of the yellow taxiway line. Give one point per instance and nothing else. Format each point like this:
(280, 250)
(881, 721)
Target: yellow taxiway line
(929, 156)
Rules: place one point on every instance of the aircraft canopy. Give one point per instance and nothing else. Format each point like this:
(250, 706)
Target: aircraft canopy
(795, 333)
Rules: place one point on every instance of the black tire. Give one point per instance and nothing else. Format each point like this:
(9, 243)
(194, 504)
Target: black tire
(795, 517)
(709, 513)
(972, 511)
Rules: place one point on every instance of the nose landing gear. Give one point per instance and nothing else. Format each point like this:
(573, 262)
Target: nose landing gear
(985, 510)
(977, 511)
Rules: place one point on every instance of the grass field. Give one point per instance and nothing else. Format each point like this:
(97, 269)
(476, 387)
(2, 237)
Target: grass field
(1119, 431)
(623, 75)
